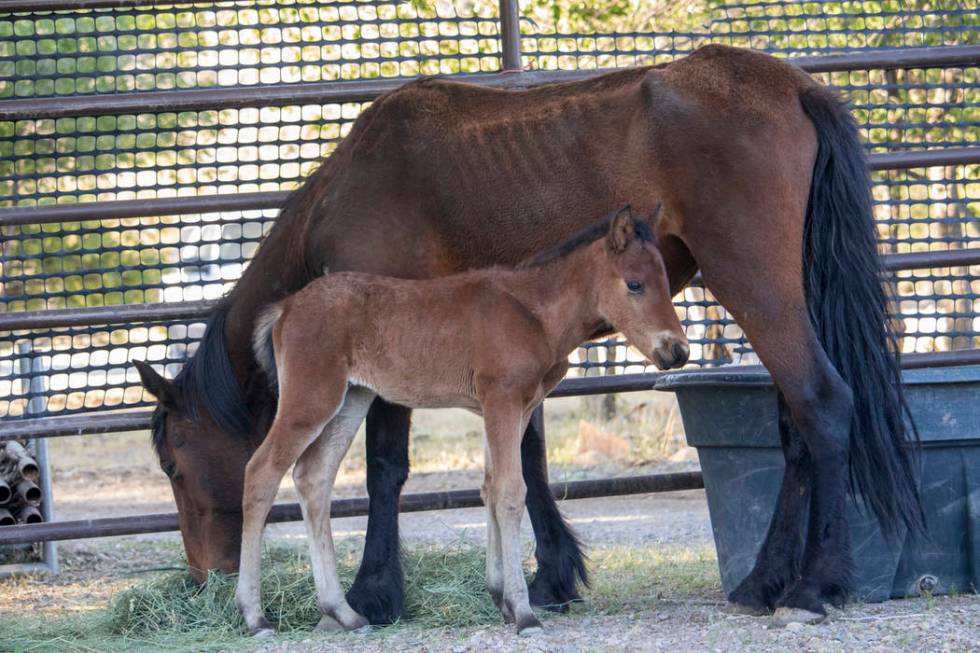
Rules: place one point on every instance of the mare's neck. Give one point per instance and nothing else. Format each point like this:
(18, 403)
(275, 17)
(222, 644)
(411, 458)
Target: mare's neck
(564, 295)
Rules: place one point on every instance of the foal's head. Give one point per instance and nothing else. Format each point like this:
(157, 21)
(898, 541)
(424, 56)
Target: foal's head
(635, 294)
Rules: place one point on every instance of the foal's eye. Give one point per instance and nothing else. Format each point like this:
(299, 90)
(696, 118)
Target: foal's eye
(635, 287)
(169, 469)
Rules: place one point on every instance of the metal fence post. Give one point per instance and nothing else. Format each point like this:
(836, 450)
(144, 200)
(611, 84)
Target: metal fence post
(510, 35)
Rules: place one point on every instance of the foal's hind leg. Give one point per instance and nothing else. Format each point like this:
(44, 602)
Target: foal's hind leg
(315, 474)
(302, 415)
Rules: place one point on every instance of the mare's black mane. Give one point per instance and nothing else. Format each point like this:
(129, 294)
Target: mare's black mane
(208, 379)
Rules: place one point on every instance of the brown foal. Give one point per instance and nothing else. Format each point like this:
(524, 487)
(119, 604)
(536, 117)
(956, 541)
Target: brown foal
(495, 341)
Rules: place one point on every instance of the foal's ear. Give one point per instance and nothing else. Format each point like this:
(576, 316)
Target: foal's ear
(654, 218)
(622, 231)
(158, 386)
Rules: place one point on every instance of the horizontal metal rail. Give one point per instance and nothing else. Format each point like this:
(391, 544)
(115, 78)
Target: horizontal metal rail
(68, 317)
(35, 6)
(139, 420)
(449, 500)
(117, 209)
(333, 92)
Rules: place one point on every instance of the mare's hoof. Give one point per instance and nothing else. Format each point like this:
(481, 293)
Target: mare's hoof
(786, 616)
(546, 592)
(750, 598)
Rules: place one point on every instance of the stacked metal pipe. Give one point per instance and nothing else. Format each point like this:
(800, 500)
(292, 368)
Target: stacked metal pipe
(20, 495)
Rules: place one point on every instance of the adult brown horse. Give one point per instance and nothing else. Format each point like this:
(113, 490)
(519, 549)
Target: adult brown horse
(764, 188)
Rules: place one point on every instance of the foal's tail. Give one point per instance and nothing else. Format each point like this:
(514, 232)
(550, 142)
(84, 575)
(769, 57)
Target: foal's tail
(262, 343)
(849, 310)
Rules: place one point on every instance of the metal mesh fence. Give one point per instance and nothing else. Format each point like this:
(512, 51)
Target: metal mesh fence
(190, 257)
(241, 43)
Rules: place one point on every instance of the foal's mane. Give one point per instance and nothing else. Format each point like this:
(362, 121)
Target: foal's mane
(586, 236)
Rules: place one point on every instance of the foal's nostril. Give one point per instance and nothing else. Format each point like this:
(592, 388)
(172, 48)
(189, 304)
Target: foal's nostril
(681, 353)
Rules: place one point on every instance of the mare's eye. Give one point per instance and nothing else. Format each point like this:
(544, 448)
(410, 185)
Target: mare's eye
(169, 469)
(635, 287)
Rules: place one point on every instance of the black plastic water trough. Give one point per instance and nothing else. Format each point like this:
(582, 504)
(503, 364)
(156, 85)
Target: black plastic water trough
(730, 417)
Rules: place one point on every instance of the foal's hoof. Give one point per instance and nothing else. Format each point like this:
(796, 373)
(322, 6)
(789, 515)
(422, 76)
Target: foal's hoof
(786, 616)
(328, 624)
(263, 629)
(529, 626)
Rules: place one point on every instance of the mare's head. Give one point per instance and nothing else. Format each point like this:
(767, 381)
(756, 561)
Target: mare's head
(634, 294)
(202, 433)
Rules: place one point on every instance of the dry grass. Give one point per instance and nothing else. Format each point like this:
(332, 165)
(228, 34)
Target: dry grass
(445, 589)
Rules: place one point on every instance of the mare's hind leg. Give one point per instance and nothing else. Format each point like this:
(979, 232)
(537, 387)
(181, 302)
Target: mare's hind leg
(778, 561)
(304, 410)
(772, 309)
(315, 474)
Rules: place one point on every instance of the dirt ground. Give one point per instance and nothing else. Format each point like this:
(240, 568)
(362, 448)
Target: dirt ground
(117, 475)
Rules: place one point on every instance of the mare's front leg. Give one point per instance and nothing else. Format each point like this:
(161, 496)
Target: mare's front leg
(378, 591)
(303, 413)
(315, 474)
(504, 494)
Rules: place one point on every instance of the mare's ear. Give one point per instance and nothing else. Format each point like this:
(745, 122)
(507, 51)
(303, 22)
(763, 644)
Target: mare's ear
(622, 231)
(158, 386)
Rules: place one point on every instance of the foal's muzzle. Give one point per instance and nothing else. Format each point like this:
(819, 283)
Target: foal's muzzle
(671, 353)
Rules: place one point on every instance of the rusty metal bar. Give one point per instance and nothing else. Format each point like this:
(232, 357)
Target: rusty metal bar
(27, 320)
(50, 213)
(448, 500)
(367, 90)
(951, 156)
(154, 207)
(510, 35)
(138, 420)
(105, 315)
(26, 6)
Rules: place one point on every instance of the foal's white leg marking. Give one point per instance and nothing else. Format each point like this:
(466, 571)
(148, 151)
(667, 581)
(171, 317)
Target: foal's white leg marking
(315, 474)
(495, 569)
(506, 500)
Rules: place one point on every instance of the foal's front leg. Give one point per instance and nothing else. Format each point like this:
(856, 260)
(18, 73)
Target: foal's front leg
(504, 493)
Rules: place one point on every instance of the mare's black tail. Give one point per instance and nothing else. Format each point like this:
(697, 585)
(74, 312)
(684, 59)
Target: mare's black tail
(849, 310)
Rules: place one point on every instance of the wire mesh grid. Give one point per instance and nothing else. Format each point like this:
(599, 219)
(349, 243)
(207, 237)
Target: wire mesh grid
(214, 44)
(189, 257)
(792, 28)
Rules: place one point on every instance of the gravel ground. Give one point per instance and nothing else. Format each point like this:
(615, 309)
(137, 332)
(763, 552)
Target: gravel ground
(949, 624)
(698, 621)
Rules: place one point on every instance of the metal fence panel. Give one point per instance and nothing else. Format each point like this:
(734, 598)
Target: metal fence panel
(157, 154)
